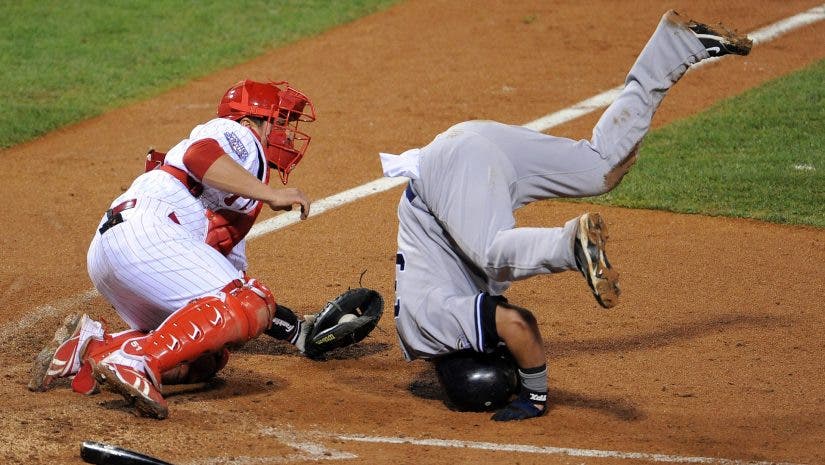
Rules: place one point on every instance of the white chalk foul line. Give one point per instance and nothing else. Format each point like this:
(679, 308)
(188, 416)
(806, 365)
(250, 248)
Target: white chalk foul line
(306, 450)
(309, 447)
(771, 32)
(44, 311)
(577, 110)
(549, 450)
(760, 36)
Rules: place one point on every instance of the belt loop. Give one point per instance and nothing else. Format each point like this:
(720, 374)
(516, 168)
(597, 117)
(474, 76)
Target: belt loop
(114, 215)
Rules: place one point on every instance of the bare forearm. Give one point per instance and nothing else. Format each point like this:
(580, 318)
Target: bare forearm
(228, 176)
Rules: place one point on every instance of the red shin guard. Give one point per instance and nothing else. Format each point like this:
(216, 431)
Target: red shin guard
(205, 326)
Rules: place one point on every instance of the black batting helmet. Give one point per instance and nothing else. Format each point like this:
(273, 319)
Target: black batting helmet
(477, 382)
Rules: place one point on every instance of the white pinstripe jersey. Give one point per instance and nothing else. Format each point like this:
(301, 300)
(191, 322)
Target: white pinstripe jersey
(239, 143)
(157, 260)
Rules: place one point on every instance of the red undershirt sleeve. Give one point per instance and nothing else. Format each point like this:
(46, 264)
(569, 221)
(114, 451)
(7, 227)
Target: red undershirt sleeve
(200, 156)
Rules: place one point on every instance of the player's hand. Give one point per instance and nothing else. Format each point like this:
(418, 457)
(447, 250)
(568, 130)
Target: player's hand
(288, 197)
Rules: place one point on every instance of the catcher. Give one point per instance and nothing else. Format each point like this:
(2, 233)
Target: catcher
(170, 257)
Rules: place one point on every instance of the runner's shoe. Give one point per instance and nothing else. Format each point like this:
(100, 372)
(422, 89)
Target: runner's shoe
(591, 260)
(717, 40)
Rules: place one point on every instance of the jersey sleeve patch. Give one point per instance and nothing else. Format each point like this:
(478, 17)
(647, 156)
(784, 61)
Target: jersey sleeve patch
(237, 146)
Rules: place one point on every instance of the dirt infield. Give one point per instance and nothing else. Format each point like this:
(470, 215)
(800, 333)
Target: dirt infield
(715, 350)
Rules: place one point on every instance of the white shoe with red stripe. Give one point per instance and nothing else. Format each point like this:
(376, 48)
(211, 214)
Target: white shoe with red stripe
(61, 357)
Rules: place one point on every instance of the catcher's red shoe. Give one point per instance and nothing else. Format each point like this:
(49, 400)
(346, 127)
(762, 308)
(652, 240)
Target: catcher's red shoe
(134, 386)
(59, 358)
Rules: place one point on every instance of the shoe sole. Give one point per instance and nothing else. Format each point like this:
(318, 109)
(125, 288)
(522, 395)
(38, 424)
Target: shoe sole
(733, 42)
(40, 379)
(145, 407)
(592, 261)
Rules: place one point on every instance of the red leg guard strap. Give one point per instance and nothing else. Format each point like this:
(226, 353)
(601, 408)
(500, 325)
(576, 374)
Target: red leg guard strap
(258, 305)
(96, 349)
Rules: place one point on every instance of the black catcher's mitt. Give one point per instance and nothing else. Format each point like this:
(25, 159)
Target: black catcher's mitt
(365, 307)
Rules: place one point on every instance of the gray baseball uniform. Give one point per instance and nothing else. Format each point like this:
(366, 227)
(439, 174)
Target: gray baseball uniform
(457, 240)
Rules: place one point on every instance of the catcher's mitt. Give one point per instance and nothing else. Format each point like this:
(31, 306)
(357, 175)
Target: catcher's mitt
(360, 308)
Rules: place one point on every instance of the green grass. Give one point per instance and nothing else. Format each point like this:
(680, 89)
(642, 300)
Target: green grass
(759, 155)
(64, 61)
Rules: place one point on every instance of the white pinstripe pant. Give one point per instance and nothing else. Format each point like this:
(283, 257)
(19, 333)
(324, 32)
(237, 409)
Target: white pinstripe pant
(149, 266)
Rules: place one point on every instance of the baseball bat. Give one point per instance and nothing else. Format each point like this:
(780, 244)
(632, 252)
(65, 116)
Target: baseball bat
(107, 454)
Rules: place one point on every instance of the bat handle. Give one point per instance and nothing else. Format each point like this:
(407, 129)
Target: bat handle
(107, 454)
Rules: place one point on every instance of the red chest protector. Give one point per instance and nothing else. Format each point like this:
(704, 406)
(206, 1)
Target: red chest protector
(226, 228)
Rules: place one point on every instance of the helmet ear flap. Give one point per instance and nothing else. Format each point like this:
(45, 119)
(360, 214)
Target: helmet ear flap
(477, 382)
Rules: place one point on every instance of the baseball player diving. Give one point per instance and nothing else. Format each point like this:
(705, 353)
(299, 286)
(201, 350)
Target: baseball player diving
(170, 257)
(458, 247)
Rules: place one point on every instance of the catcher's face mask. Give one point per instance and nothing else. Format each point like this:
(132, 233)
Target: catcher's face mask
(283, 108)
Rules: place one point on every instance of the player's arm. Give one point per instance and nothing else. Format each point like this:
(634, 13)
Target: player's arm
(207, 161)
(225, 174)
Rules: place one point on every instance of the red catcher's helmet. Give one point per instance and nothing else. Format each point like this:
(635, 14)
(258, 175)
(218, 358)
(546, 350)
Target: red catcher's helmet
(283, 107)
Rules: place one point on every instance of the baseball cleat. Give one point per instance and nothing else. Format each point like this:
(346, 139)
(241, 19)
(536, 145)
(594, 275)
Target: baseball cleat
(57, 359)
(717, 40)
(134, 386)
(588, 249)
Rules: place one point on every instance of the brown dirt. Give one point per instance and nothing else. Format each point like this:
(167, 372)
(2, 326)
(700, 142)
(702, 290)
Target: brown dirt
(715, 350)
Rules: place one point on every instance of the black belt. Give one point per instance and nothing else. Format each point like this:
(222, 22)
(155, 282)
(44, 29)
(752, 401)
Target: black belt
(114, 216)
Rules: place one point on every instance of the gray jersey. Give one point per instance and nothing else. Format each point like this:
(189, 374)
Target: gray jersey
(457, 240)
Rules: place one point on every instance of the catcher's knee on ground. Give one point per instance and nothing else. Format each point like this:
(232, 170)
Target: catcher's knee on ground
(191, 343)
